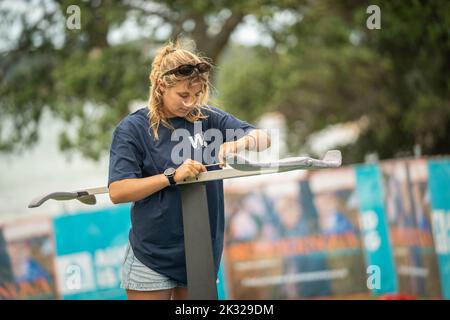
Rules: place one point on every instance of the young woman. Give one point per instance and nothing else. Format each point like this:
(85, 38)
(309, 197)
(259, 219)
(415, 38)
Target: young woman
(144, 170)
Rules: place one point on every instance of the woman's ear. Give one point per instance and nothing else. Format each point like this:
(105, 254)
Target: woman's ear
(162, 87)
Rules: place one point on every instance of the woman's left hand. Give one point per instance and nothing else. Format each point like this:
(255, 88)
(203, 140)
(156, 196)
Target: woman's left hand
(227, 148)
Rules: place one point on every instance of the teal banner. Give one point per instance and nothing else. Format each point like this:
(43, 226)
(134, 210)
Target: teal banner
(439, 184)
(90, 247)
(375, 232)
(222, 290)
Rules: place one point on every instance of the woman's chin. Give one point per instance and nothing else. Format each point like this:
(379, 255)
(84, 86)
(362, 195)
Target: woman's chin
(183, 113)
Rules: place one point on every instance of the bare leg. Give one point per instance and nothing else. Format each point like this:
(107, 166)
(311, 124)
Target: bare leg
(149, 295)
(179, 293)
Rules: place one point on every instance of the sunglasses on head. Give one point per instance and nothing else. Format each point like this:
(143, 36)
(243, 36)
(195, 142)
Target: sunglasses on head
(187, 69)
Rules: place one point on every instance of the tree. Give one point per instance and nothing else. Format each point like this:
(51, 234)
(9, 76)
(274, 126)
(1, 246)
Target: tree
(80, 75)
(328, 68)
(323, 67)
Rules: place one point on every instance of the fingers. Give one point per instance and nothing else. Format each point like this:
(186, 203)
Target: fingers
(221, 156)
(195, 167)
(194, 172)
(198, 166)
(226, 148)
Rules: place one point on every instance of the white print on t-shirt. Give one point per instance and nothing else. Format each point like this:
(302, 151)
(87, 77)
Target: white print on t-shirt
(204, 146)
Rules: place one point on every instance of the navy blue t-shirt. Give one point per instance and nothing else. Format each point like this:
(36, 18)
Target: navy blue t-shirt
(156, 234)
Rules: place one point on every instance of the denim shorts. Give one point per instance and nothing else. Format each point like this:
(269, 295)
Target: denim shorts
(137, 276)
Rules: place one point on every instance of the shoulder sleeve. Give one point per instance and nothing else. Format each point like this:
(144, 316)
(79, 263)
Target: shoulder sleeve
(126, 158)
(223, 120)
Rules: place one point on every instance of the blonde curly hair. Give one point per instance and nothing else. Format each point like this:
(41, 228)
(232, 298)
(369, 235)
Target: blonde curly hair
(170, 56)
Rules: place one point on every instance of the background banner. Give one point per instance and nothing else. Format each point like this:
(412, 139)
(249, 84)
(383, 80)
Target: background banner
(375, 233)
(27, 260)
(408, 213)
(291, 236)
(90, 248)
(439, 184)
(365, 231)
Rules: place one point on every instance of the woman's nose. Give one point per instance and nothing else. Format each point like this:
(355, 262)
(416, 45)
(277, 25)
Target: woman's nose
(189, 101)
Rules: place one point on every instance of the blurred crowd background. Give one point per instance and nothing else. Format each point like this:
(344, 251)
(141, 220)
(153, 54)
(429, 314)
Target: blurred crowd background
(369, 78)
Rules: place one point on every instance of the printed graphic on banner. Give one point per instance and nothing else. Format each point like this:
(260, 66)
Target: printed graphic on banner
(439, 184)
(375, 231)
(294, 237)
(26, 260)
(222, 290)
(90, 248)
(408, 212)
(6, 272)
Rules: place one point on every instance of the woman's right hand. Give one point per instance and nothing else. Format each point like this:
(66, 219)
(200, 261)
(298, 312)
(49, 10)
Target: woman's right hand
(189, 169)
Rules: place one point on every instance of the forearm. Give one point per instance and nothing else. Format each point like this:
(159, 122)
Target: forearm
(255, 140)
(130, 190)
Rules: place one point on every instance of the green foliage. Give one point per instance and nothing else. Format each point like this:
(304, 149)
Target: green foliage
(325, 67)
(68, 71)
(109, 79)
(245, 82)
(329, 68)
